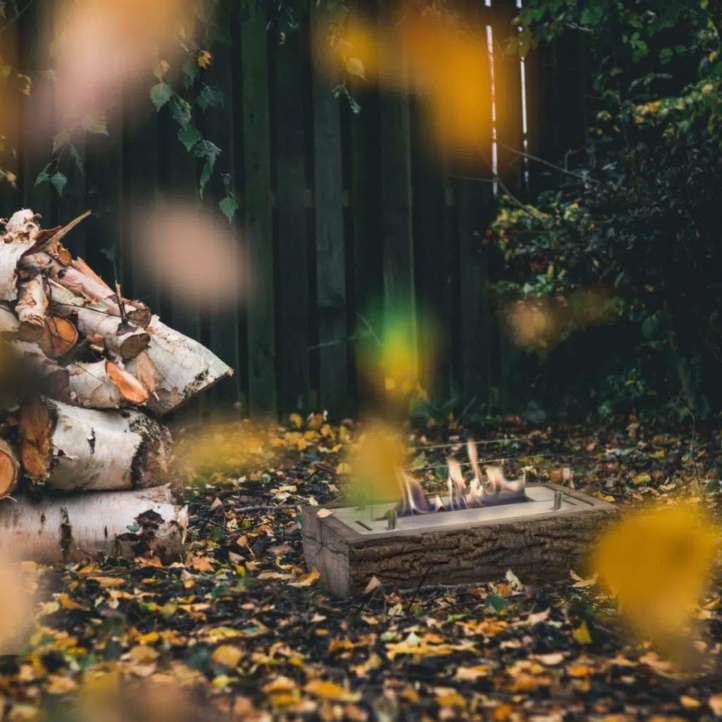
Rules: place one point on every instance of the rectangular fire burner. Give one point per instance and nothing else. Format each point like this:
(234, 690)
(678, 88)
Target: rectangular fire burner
(540, 537)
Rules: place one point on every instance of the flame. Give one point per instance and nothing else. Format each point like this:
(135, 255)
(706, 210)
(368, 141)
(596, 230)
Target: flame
(489, 488)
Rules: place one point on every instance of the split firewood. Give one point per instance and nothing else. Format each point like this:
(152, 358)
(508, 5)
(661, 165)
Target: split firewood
(71, 448)
(79, 278)
(31, 307)
(103, 385)
(59, 337)
(85, 527)
(20, 236)
(122, 339)
(9, 469)
(51, 240)
(183, 368)
(142, 368)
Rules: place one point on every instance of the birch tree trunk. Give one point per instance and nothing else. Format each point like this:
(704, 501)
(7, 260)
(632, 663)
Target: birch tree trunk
(71, 449)
(21, 233)
(61, 528)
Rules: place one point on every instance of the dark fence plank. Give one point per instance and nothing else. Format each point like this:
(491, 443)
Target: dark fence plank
(35, 27)
(10, 195)
(257, 209)
(510, 149)
(223, 322)
(331, 293)
(293, 273)
(104, 174)
(140, 189)
(430, 256)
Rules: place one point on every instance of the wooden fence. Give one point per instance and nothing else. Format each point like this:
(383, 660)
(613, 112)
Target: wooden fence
(338, 211)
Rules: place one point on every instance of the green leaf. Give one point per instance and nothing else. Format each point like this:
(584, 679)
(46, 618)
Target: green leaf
(160, 94)
(59, 181)
(210, 97)
(98, 125)
(495, 603)
(229, 206)
(189, 136)
(43, 177)
(182, 112)
(205, 150)
(61, 140)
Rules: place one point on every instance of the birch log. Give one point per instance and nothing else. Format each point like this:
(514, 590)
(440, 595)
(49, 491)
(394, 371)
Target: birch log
(70, 448)
(31, 307)
(20, 236)
(183, 368)
(103, 385)
(122, 340)
(8, 469)
(81, 527)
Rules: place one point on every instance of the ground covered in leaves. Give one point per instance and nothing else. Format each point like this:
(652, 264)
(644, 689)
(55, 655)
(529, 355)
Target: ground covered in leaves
(241, 629)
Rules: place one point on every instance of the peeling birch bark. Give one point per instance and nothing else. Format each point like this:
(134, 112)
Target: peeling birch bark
(64, 529)
(21, 233)
(31, 307)
(72, 449)
(103, 385)
(79, 278)
(142, 368)
(9, 469)
(182, 366)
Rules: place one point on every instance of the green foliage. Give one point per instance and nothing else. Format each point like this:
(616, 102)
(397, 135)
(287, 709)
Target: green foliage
(639, 215)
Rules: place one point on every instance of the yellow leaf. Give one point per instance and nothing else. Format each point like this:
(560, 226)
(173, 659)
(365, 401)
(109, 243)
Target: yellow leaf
(355, 66)
(227, 655)
(204, 59)
(67, 603)
(142, 654)
(296, 421)
(581, 634)
(307, 580)
(330, 691)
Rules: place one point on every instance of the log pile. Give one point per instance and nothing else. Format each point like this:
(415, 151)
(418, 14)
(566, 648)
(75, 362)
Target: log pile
(86, 377)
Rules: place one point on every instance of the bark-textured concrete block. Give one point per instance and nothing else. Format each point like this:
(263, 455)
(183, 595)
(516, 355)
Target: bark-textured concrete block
(540, 544)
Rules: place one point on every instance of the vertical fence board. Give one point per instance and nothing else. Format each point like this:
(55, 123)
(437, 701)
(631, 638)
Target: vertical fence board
(34, 28)
(293, 273)
(430, 251)
(330, 250)
(396, 208)
(223, 322)
(257, 208)
(104, 184)
(140, 187)
(510, 148)
(10, 193)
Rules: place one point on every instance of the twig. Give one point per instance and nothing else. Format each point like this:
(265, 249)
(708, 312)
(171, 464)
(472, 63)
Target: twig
(554, 166)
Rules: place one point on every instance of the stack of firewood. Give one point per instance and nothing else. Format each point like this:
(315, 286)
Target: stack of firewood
(95, 373)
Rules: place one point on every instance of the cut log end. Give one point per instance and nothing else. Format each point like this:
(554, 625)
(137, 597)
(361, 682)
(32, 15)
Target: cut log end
(59, 337)
(35, 442)
(9, 469)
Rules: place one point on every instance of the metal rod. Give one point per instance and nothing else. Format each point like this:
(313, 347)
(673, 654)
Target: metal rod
(391, 518)
(557, 501)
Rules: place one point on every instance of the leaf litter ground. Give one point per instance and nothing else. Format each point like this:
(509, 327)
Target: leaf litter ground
(242, 631)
